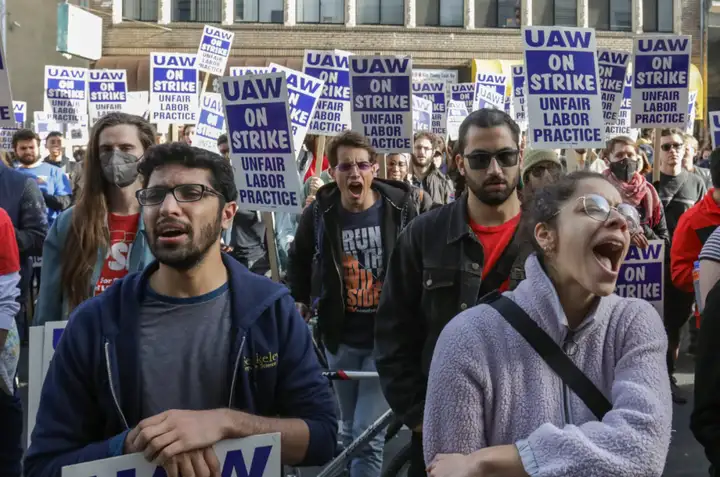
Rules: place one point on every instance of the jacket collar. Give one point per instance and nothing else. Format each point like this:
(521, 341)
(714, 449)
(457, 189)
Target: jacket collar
(459, 225)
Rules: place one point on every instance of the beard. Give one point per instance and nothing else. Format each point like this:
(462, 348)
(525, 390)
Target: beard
(420, 162)
(488, 197)
(183, 257)
(27, 160)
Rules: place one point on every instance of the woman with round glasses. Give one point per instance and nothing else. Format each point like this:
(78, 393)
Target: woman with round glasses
(495, 407)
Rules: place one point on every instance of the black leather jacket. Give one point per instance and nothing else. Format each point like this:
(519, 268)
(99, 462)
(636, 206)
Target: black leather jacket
(434, 274)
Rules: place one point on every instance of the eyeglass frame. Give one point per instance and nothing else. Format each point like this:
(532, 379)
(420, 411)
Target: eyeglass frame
(633, 230)
(171, 190)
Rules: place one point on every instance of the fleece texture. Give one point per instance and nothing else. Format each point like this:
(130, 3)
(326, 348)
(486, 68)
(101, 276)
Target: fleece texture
(488, 387)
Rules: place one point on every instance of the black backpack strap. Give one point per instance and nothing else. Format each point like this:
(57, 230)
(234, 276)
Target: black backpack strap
(551, 353)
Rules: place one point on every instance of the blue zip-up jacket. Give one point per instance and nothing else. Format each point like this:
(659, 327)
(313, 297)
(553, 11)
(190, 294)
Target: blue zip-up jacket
(91, 395)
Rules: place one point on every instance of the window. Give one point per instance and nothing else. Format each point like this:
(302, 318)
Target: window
(497, 14)
(259, 11)
(440, 12)
(610, 15)
(197, 11)
(320, 11)
(555, 12)
(143, 10)
(658, 16)
(381, 12)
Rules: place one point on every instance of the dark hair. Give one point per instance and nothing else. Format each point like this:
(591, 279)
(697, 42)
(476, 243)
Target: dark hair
(715, 167)
(222, 177)
(426, 135)
(624, 140)
(646, 133)
(54, 134)
(187, 126)
(672, 132)
(24, 135)
(349, 139)
(223, 139)
(487, 118)
(543, 205)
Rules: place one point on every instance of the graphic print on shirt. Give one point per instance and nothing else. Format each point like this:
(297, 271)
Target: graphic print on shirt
(363, 267)
(123, 230)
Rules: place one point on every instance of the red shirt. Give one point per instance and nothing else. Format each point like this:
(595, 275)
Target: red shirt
(9, 254)
(494, 240)
(123, 229)
(311, 170)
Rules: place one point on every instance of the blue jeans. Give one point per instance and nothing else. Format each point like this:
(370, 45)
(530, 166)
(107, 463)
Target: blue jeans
(11, 427)
(361, 403)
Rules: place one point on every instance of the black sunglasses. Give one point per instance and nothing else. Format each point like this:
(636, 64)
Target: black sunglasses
(667, 147)
(479, 160)
(539, 170)
(182, 193)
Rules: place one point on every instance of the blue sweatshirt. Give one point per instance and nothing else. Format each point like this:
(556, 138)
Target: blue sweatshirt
(91, 395)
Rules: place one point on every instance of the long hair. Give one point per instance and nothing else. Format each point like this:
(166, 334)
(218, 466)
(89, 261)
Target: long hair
(89, 232)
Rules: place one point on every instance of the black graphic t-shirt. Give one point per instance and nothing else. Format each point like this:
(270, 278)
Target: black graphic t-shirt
(363, 273)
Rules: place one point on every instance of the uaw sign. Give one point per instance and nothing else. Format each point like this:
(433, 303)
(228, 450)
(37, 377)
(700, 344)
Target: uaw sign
(613, 68)
(519, 97)
(436, 92)
(214, 50)
(108, 90)
(256, 456)
(66, 93)
(333, 113)
(641, 274)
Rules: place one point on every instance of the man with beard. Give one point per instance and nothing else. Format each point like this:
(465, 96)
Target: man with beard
(163, 361)
(425, 174)
(446, 260)
(54, 184)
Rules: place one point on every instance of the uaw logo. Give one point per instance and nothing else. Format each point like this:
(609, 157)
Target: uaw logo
(261, 361)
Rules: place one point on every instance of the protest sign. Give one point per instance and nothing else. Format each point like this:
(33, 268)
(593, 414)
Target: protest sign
(612, 71)
(248, 70)
(420, 75)
(622, 125)
(261, 142)
(421, 114)
(519, 97)
(108, 90)
(137, 103)
(66, 93)
(20, 109)
(6, 133)
(457, 112)
(380, 87)
(42, 340)
(660, 81)
(464, 92)
(641, 274)
(174, 95)
(77, 134)
(436, 92)
(564, 103)
(45, 123)
(690, 120)
(211, 122)
(715, 128)
(214, 50)
(255, 456)
(333, 113)
(7, 120)
(490, 91)
(303, 94)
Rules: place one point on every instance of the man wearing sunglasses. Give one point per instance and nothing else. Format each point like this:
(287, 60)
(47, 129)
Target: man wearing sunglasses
(446, 260)
(541, 167)
(163, 361)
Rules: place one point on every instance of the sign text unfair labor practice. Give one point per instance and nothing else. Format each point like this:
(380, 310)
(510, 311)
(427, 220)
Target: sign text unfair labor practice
(66, 93)
(174, 92)
(381, 90)
(661, 75)
(261, 142)
(333, 113)
(563, 94)
(214, 50)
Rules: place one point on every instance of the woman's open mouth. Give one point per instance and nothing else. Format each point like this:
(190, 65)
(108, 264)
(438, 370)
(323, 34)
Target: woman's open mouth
(609, 255)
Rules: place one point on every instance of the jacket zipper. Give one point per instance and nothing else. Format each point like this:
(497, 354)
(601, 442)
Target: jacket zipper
(567, 415)
(235, 373)
(112, 387)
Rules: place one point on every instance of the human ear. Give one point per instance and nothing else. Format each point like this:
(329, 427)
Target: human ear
(545, 237)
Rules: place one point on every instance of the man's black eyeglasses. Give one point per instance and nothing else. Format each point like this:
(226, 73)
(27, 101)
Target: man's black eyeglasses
(666, 147)
(479, 160)
(182, 193)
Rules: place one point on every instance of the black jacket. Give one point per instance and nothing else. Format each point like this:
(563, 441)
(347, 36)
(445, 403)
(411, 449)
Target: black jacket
(438, 185)
(434, 273)
(319, 275)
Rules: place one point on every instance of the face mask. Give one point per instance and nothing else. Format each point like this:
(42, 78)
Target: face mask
(119, 168)
(624, 170)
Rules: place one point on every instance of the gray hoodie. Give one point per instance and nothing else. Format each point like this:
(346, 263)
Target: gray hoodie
(488, 387)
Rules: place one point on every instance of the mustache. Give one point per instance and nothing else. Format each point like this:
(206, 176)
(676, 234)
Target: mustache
(495, 180)
(174, 223)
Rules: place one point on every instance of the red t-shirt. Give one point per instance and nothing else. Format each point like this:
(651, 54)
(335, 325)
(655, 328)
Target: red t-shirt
(311, 170)
(9, 254)
(123, 229)
(494, 240)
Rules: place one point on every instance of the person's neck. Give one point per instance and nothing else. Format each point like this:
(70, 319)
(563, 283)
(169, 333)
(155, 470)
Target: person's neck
(23, 165)
(575, 301)
(205, 277)
(421, 172)
(122, 201)
(57, 158)
(353, 208)
(493, 215)
(671, 171)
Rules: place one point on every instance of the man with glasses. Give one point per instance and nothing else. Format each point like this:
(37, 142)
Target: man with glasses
(446, 260)
(337, 268)
(163, 361)
(541, 167)
(425, 174)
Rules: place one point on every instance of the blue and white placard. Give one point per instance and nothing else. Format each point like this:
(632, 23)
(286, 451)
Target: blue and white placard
(715, 128)
(519, 97)
(436, 92)
(108, 92)
(214, 50)
(45, 123)
(248, 70)
(613, 66)
(6, 133)
(564, 103)
(381, 92)
(457, 112)
(303, 94)
(690, 121)
(261, 142)
(621, 127)
(211, 122)
(490, 89)
(174, 91)
(661, 79)
(464, 92)
(421, 114)
(255, 456)
(333, 113)
(20, 110)
(66, 93)
(641, 274)
(422, 75)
